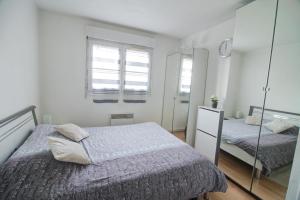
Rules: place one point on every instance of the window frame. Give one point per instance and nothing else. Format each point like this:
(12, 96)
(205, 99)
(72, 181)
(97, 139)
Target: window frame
(122, 63)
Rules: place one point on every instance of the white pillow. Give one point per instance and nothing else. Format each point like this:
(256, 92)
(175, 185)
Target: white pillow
(67, 151)
(278, 125)
(253, 120)
(72, 131)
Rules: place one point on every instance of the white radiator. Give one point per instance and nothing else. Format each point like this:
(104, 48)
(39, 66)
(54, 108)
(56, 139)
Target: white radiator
(121, 119)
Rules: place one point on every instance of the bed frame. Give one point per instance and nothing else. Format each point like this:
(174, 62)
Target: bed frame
(15, 129)
(268, 114)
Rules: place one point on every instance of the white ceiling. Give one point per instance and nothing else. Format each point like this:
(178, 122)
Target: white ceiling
(177, 18)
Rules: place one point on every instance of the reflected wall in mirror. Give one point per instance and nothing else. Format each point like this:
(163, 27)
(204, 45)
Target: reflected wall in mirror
(177, 92)
(282, 110)
(249, 66)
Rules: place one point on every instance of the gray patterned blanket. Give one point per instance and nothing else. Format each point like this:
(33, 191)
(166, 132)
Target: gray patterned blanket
(153, 165)
(236, 129)
(275, 150)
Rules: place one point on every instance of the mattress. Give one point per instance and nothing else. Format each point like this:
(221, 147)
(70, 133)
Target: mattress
(141, 161)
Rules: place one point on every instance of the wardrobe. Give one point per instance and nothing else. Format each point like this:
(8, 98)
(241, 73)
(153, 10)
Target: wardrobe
(261, 125)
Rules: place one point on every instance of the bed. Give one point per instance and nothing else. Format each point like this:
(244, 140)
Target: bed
(141, 161)
(275, 150)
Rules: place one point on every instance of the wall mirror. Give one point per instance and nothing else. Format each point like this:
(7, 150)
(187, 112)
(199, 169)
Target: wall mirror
(252, 43)
(262, 112)
(178, 76)
(276, 150)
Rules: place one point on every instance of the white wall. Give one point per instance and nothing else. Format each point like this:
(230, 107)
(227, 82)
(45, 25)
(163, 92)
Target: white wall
(233, 84)
(18, 56)
(62, 48)
(254, 59)
(251, 54)
(253, 73)
(217, 67)
(253, 76)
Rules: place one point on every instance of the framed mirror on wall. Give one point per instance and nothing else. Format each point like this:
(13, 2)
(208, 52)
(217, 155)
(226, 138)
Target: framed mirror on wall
(176, 100)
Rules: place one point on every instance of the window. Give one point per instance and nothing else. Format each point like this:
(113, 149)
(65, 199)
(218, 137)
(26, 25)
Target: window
(185, 75)
(114, 67)
(105, 68)
(137, 71)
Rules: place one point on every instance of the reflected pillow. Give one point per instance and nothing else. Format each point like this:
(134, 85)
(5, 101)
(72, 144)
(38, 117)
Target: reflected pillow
(67, 151)
(253, 120)
(72, 132)
(278, 125)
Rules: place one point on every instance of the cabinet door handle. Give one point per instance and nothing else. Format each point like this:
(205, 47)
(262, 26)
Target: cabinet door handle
(266, 89)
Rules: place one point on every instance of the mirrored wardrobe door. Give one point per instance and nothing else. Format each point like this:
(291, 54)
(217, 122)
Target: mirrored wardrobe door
(170, 90)
(177, 92)
(281, 119)
(248, 76)
(182, 96)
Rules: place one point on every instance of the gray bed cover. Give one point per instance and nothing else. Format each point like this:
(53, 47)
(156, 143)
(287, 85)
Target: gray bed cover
(236, 129)
(275, 150)
(141, 161)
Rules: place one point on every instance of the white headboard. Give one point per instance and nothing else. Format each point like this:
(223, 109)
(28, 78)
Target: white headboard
(271, 114)
(14, 130)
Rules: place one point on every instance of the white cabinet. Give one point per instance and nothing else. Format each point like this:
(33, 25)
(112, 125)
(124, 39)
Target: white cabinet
(208, 121)
(206, 145)
(209, 129)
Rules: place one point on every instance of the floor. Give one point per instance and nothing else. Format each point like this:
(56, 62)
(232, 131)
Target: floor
(180, 135)
(233, 192)
(241, 172)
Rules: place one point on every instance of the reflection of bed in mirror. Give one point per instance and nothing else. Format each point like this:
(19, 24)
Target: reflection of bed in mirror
(275, 150)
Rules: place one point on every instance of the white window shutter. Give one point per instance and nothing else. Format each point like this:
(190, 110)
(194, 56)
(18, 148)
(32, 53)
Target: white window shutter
(104, 68)
(137, 71)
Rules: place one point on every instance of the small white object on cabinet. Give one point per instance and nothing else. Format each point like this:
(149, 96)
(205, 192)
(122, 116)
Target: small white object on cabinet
(208, 133)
